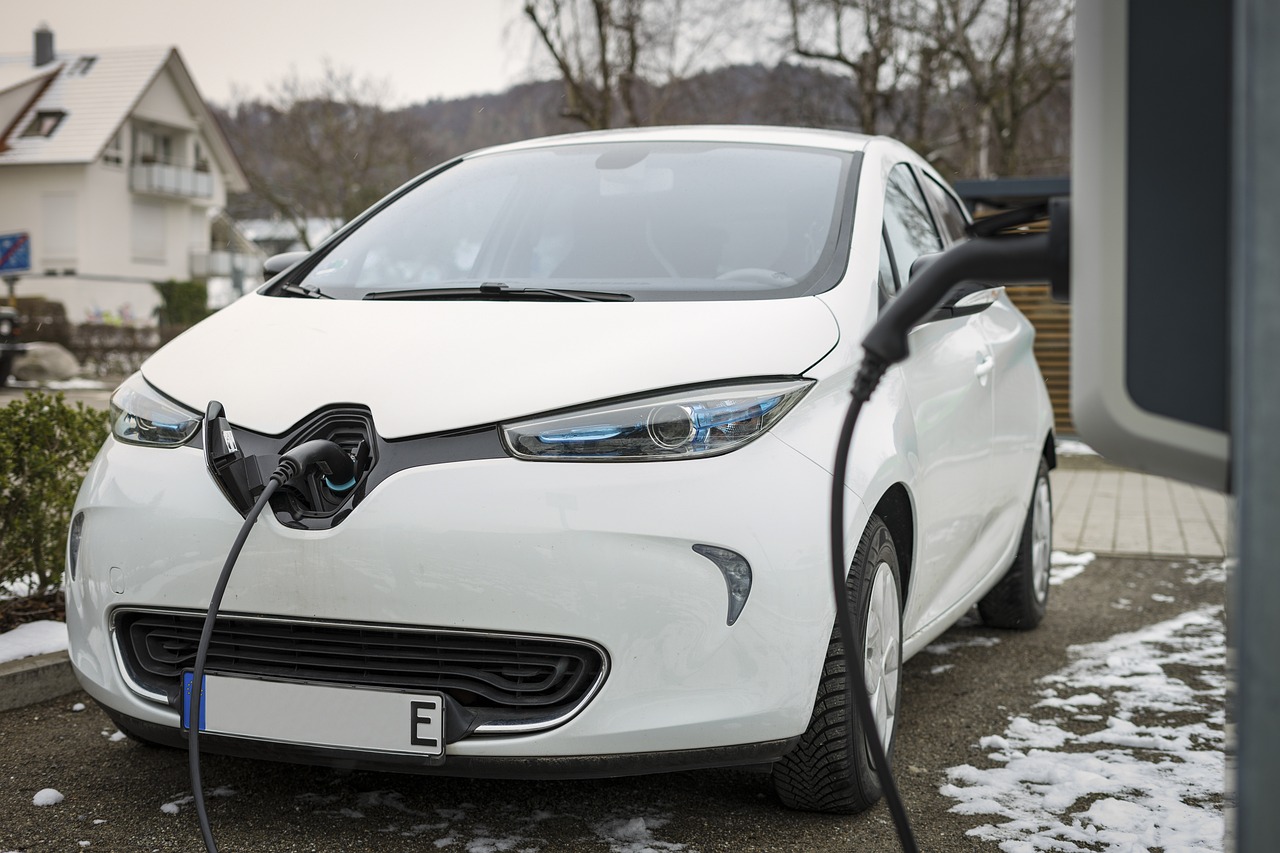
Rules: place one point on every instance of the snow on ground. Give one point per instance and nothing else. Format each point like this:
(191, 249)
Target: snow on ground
(33, 638)
(1127, 756)
(1073, 447)
(47, 797)
(1063, 566)
(61, 384)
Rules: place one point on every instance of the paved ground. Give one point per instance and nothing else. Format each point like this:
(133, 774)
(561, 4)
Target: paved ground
(1106, 509)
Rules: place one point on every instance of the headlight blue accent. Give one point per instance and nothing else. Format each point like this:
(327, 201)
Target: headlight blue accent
(675, 425)
(142, 415)
(581, 434)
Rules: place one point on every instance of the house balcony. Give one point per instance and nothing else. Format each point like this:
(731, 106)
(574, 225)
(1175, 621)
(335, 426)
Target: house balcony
(169, 180)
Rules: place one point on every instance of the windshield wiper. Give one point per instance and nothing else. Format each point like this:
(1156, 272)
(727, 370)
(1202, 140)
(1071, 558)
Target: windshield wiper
(497, 290)
(306, 291)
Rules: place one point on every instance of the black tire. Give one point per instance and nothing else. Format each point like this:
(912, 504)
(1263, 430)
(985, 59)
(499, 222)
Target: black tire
(1021, 597)
(820, 775)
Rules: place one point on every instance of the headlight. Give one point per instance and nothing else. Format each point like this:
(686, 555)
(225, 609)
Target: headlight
(679, 425)
(141, 415)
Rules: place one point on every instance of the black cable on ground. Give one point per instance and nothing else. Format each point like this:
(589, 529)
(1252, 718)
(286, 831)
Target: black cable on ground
(202, 652)
(868, 377)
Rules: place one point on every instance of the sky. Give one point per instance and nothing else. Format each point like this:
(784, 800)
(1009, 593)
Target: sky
(422, 49)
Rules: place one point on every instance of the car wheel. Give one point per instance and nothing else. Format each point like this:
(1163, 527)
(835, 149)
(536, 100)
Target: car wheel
(820, 774)
(6, 367)
(1021, 597)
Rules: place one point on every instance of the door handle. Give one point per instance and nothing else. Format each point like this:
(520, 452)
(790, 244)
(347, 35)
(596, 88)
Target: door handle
(985, 366)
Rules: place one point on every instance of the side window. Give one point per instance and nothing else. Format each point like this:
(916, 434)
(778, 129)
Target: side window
(907, 220)
(952, 218)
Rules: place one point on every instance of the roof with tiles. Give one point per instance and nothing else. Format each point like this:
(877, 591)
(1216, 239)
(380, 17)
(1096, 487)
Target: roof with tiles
(95, 92)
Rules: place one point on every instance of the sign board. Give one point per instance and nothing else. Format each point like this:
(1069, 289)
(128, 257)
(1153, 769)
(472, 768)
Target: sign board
(15, 253)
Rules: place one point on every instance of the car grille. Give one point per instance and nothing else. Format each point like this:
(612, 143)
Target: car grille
(519, 680)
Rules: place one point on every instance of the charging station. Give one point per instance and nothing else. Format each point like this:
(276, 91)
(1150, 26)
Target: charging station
(1150, 288)
(1175, 294)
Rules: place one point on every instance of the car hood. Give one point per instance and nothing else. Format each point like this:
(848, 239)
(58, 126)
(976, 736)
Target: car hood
(434, 366)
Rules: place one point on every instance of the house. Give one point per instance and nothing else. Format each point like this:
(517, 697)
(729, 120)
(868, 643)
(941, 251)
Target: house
(116, 170)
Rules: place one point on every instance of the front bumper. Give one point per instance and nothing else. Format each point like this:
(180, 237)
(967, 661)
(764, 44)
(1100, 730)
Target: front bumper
(597, 552)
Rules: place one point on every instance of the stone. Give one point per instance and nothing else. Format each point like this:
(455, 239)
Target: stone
(45, 362)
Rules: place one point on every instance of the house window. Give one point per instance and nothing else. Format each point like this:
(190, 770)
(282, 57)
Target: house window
(150, 146)
(150, 231)
(45, 123)
(114, 152)
(82, 66)
(199, 159)
(58, 220)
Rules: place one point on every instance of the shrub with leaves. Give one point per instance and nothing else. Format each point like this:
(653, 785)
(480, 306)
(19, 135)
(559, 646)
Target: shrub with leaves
(46, 446)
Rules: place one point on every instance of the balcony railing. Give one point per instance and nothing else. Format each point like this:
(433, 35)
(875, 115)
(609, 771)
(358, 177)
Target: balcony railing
(170, 180)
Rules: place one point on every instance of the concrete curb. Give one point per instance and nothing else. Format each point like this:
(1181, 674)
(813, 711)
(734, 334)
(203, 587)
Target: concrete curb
(35, 679)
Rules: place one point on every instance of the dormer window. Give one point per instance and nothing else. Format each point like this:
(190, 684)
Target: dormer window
(82, 66)
(45, 123)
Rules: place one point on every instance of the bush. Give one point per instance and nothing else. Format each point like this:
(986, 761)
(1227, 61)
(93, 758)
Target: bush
(46, 446)
(185, 302)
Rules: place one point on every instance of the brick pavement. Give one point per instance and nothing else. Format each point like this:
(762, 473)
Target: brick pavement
(1106, 509)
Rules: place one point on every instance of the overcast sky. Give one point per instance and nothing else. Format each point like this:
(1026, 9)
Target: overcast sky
(423, 49)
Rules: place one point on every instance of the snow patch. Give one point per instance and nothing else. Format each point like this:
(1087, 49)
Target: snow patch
(47, 797)
(174, 806)
(968, 642)
(1064, 566)
(33, 638)
(1073, 447)
(1151, 775)
(634, 835)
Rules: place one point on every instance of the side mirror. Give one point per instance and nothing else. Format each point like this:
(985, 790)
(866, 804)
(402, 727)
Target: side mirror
(277, 264)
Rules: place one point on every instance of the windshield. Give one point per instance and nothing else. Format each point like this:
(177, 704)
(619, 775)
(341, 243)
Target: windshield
(651, 220)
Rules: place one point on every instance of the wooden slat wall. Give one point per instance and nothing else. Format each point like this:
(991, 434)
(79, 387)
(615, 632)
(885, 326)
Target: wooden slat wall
(1052, 321)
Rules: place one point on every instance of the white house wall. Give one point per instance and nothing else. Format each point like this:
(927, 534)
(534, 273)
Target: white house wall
(163, 104)
(109, 281)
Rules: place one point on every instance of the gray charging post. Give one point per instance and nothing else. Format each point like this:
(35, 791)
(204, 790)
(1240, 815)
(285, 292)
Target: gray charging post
(1175, 296)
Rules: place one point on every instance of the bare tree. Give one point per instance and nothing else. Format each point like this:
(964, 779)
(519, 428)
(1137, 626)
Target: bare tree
(324, 148)
(885, 48)
(959, 80)
(622, 60)
(1014, 55)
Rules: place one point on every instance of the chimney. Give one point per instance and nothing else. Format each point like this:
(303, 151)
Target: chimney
(44, 45)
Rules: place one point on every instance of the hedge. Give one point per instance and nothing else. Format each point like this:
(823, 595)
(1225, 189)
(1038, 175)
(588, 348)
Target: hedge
(46, 446)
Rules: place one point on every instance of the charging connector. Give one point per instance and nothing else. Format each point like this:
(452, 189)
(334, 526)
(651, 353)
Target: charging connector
(333, 462)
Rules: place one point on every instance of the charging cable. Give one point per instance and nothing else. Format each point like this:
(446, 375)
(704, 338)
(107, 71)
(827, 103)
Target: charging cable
(992, 255)
(337, 467)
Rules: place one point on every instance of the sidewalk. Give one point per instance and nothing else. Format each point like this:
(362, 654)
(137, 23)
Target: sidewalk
(1106, 509)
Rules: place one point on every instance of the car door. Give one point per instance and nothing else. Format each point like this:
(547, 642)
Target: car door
(948, 384)
(1015, 383)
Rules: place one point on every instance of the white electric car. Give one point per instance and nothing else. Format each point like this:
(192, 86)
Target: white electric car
(592, 385)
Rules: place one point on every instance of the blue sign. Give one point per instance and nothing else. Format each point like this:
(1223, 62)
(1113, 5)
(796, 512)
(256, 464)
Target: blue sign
(15, 252)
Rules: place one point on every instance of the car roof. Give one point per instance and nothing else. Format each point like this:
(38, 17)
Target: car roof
(835, 140)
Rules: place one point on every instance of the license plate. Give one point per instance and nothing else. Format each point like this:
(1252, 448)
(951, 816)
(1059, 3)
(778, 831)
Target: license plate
(318, 714)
